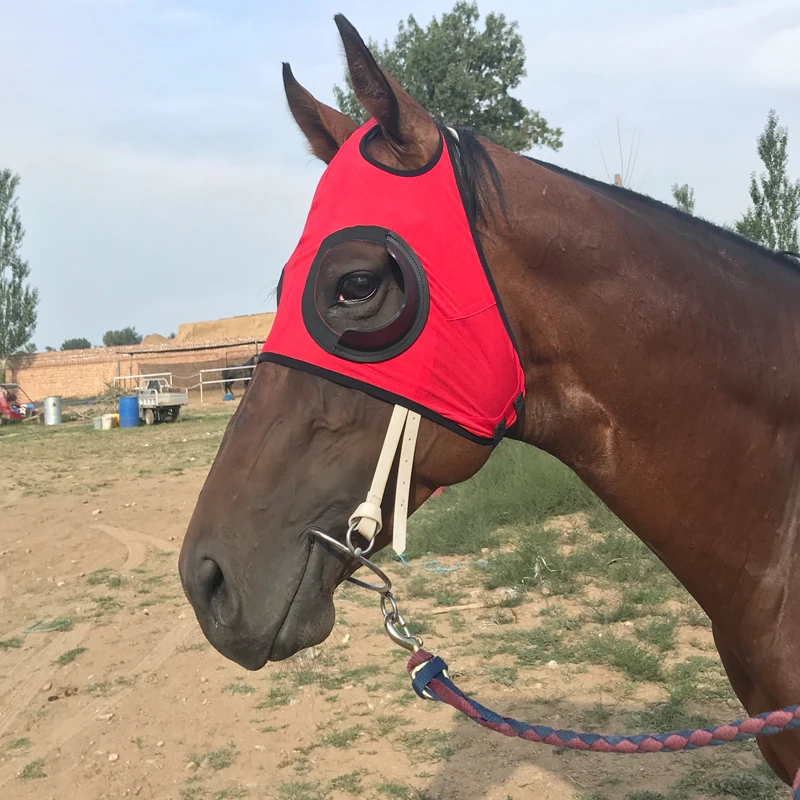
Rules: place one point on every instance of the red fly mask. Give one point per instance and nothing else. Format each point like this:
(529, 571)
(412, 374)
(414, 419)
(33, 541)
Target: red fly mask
(438, 346)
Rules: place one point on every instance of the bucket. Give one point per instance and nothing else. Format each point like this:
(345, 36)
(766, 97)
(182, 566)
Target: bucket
(108, 422)
(129, 412)
(52, 411)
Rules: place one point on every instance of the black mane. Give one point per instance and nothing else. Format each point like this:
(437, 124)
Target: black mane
(628, 198)
(481, 183)
(477, 175)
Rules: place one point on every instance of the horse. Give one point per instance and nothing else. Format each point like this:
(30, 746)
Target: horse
(660, 358)
(240, 373)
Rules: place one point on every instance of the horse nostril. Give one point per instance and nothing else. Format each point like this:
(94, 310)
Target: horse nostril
(215, 593)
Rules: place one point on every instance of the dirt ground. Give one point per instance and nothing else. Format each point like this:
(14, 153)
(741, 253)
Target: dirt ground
(125, 698)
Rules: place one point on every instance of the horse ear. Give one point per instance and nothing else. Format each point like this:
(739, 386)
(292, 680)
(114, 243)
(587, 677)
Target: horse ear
(409, 131)
(325, 128)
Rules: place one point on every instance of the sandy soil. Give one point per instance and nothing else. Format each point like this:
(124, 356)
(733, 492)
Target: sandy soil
(129, 700)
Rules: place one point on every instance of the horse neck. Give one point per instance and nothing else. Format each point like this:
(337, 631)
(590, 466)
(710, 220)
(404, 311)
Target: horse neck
(662, 368)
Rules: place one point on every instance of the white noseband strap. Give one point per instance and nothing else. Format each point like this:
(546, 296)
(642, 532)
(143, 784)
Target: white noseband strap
(404, 425)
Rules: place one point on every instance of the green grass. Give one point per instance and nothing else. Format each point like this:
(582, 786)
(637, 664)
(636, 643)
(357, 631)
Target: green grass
(19, 744)
(401, 791)
(276, 697)
(239, 687)
(222, 758)
(519, 485)
(299, 790)
(69, 656)
(13, 642)
(350, 783)
(105, 577)
(755, 783)
(660, 633)
(426, 745)
(507, 676)
(342, 739)
(33, 770)
(630, 658)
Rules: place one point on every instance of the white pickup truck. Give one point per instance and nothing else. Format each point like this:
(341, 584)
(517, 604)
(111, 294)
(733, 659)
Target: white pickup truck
(160, 402)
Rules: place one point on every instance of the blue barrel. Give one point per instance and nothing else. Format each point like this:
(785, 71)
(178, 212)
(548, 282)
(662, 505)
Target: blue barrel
(129, 412)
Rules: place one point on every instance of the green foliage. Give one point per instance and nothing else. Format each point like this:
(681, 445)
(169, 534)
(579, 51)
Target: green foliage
(773, 217)
(18, 300)
(122, 337)
(462, 76)
(684, 197)
(76, 344)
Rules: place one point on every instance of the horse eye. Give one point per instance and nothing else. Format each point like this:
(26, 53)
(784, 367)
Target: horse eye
(357, 287)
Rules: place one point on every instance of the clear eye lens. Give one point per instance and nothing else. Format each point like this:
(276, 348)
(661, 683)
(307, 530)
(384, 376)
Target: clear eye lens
(357, 288)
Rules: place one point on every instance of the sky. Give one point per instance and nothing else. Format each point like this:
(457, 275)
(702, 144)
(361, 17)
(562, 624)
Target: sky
(164, 180)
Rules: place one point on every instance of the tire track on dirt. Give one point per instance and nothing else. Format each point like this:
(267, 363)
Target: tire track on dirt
(18, 692)
(58, 737)
(135, 542)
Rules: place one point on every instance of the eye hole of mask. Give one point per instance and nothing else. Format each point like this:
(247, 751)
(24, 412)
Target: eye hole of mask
(366, 296)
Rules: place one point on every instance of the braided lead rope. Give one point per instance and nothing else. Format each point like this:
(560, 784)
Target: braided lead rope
(430, 680)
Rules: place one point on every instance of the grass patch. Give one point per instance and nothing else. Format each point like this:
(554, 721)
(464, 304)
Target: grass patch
(669, 716)
(630, 658)
(449, 597)
(401, 791)
(276, 697)
(427, 744)
(755, 783)
(19, 744)
(106, 604)
(239, 687)
(8, 644)
(299, 790)
(350, 783)
(69, 656)
(506, 676)
(218, 759)
(33, 770)
(467, 517)
(104, 577)
(533, 561)
(660, 633)
(342, 739)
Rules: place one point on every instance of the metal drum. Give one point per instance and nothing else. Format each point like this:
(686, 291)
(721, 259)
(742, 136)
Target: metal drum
(52, 411)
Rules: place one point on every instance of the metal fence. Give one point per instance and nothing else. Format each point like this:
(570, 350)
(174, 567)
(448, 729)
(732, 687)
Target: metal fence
(205, 382)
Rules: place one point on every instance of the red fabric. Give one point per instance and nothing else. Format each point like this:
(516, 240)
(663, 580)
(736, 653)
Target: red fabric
(463, 366)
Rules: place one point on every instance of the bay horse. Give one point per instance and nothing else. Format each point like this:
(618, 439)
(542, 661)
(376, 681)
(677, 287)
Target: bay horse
(240, 373)
(661, 362)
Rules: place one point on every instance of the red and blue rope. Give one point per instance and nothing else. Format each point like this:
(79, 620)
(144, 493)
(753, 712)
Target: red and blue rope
(429, 673)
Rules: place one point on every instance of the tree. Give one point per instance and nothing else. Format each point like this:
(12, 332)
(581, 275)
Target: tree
(122, 337)
(18, 300)
(773, 216)
(684, 197)
(76, 344)
(462, 76)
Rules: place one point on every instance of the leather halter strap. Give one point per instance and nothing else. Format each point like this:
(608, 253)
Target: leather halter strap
(404, 425)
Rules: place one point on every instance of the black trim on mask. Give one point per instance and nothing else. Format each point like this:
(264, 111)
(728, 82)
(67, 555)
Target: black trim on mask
(379, 344)
(374, 391)
(402, 173)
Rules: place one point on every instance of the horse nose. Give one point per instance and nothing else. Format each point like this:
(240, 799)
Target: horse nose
(210, 593)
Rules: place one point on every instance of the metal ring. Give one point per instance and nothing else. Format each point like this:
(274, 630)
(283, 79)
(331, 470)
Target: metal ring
(388, 596)
(357, 551)
(342, 548)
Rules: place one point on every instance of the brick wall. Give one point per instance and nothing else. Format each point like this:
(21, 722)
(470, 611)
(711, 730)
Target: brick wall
(87, 373)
